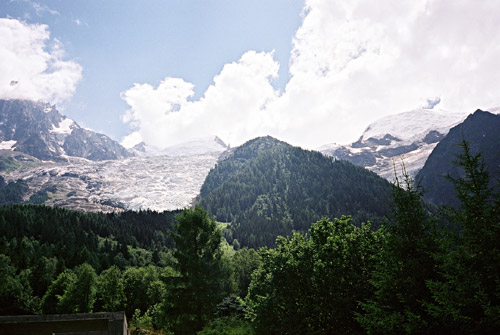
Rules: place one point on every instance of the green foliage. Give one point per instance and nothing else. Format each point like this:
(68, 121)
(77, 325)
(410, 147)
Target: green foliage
(51, 301)
(196, 290)
(110, 290)
(80, 294)
(42, 242)
(15, 291)
(267, 188)
(142, 288)
(143, 321)
(227, 326)
(12, 193)
(243, 263)
(231, 307)
(467, 299)
(406, 263)
(312, 285)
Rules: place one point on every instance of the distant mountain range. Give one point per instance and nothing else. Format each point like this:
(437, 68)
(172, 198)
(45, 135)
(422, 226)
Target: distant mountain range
(39, 130)
(407, 137)
(48, 158)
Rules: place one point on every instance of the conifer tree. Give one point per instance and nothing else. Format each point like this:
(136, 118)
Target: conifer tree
(195, 292)
(406, 263)
(467, 300)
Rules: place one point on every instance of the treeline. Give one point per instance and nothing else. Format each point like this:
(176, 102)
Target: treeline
(39, 243)
(267, 188)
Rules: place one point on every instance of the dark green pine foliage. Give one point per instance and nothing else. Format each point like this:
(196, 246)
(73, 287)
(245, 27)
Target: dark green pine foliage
(467, 301)
(406, 263)
(38, 243)
(267, 188)
(313, 285)
(29, 233)
(12, 192)
(196, 291)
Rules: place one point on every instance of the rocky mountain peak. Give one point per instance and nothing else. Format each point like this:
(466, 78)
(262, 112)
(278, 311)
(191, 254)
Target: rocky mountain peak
(407, 137)
(38, 129)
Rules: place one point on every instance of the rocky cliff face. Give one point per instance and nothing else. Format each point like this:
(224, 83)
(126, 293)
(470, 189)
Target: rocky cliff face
(39, 130)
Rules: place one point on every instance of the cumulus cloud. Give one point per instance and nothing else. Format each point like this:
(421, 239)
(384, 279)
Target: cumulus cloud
(234, 107)
(352, 63)
(32, 65)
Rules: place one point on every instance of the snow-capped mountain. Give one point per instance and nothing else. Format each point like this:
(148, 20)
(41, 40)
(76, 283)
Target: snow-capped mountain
(197, 146)
(79, 169)
(39, 130)
(407, 137)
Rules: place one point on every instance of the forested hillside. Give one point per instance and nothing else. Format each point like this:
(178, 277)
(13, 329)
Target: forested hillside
(40, 243)
(267, 188)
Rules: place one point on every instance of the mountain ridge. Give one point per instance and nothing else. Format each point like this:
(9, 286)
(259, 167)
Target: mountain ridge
(408, 136)
(39, 130)
(481, 131)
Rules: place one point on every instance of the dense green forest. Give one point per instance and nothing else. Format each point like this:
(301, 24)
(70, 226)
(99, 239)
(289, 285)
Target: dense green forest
(174, 273)
(267, 188)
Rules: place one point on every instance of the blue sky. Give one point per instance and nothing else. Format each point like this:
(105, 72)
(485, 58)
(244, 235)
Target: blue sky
(122, 42)
(308, 72)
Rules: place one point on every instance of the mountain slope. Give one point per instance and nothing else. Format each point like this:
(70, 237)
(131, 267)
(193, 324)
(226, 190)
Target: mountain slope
(409, 137)
(482, 131)
(39, 130)
(136, 183)
(267, 188)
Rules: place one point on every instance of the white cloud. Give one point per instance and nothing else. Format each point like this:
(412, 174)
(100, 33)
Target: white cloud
(32, 65)
(352, 63)
(234, 107)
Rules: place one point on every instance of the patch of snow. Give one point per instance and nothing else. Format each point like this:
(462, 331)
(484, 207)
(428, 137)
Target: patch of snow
(65, 127)
(413, 125)
(198, 146)
(329, 146)
(7, 145)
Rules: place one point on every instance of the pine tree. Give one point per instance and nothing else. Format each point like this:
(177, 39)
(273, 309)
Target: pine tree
(406, 263)
(198, 261)
(467, 301)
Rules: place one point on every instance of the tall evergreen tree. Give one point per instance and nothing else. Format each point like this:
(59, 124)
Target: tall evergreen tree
(467, 301)
(198, 254)
(406, 263)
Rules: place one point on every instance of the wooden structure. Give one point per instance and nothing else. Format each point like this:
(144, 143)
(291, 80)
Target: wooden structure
(65, 324)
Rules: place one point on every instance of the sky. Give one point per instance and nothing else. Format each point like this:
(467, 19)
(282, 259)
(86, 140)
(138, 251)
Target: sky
(309, 72)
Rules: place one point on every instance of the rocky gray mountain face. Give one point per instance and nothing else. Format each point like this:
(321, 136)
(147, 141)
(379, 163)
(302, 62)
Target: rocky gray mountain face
(48, 158)
(482, 131)
(39, 130)
(407, 137)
